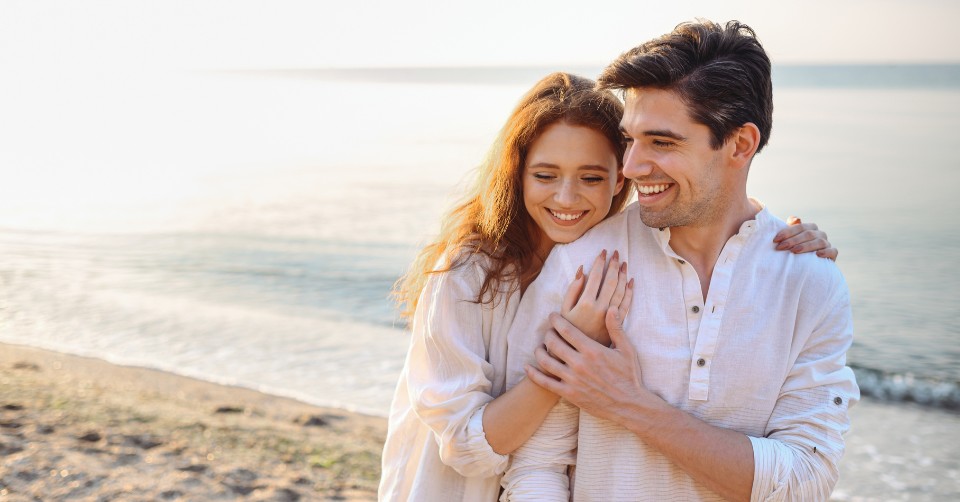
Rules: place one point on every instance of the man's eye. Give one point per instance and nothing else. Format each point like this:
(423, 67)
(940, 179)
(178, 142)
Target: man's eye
(592, 179)
(627, 140)
(662, 144)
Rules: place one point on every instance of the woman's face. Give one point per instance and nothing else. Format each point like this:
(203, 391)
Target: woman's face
(569, 180)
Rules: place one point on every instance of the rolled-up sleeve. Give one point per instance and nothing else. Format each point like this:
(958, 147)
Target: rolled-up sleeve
(538, 469)
(798, 457)
(448, 376)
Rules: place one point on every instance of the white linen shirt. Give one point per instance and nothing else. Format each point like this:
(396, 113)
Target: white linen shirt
(764, 355)
(436, 449)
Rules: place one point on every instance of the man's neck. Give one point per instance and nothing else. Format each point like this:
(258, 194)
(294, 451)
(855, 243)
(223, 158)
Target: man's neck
(701, 244)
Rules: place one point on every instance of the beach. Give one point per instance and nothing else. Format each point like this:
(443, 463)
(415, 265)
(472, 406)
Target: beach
(257, 245)
(75, 428)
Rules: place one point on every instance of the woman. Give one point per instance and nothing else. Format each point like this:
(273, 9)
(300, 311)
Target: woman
(552, 174)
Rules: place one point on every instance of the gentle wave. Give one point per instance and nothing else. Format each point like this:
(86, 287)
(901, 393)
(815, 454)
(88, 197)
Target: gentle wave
(908, 387)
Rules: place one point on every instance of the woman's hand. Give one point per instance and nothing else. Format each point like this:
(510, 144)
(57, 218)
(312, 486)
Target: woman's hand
(801, 237)
(589, 296)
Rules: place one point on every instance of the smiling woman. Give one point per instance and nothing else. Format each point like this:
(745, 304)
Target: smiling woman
(569, 182)
(551, 175)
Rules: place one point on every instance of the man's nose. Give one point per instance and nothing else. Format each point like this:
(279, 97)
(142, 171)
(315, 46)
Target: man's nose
(635, 163)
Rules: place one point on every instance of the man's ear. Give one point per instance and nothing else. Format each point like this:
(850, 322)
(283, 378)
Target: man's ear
(745, 142)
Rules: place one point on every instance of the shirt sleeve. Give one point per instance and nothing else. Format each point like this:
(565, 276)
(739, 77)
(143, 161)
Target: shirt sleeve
(538, 469)
(449, 379)
(799, 456)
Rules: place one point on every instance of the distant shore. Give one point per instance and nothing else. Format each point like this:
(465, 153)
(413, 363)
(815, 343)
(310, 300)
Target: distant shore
(80, 428)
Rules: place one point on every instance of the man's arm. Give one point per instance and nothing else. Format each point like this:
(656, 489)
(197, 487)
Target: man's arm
(797, 460)
(607, 383)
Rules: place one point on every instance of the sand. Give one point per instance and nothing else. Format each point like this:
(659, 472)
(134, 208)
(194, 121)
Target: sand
(73, 428)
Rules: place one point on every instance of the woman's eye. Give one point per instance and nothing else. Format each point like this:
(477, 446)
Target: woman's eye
(543, 176)
(592, 179)
(627, 140)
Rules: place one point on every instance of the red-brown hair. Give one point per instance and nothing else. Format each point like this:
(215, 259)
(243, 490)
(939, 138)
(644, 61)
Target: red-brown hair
(492, 219)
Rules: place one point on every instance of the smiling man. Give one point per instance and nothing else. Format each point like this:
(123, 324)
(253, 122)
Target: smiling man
(728, 379)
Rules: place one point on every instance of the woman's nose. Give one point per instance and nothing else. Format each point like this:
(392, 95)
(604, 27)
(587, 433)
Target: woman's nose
(567, 193)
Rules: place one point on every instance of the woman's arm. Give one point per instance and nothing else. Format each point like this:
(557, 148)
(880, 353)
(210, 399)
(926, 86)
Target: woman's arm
(512, 418)
(447, 375)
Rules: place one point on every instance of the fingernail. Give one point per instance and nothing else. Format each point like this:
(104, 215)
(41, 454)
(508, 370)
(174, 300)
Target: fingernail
(630, 284)
(616, 255)
(580, 272)
(603, 254)
(623, 267)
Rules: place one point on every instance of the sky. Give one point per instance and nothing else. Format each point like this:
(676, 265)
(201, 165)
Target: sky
(74, 36)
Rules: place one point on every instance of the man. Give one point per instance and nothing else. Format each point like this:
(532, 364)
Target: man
(727, 379)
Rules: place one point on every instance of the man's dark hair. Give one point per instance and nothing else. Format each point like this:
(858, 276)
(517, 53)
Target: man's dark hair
(721, 73)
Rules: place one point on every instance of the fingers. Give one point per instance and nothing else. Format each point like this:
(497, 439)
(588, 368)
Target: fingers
(624, 308)
(574, 291)
(794, 228)
(548, 364)
(610, 280)
(595, 277)
(621, 288)
(818, 237)
(830, 253)
(569, 333)
(541, 379)
(614, 324)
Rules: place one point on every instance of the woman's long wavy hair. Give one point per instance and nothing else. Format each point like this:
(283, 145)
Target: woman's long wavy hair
(492, 219)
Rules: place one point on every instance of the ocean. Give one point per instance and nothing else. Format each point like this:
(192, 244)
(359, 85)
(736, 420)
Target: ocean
(246, 227)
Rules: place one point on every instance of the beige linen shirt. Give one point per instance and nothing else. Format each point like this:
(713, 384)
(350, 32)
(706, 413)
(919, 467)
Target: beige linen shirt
(764, 354)
(456, 364)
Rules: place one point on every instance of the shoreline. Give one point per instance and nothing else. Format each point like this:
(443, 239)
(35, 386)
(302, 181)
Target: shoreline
(78, 427)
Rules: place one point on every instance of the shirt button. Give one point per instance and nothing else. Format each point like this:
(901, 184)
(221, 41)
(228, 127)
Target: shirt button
(681, 262)
(837, 401)
(702, 362)
(695, 309)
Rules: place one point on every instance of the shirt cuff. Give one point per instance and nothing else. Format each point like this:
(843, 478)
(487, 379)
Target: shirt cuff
(767, 469)
(478, 458)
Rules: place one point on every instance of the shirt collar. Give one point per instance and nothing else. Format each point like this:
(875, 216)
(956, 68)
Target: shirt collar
(762, 220)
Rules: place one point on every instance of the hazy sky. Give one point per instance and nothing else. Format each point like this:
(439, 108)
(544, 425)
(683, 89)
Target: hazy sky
(45, 35)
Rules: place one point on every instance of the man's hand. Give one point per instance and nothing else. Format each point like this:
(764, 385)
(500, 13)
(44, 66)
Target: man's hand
(608, 383)
(605, 382)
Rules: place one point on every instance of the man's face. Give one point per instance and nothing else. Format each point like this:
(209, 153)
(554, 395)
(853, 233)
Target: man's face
(679, 176)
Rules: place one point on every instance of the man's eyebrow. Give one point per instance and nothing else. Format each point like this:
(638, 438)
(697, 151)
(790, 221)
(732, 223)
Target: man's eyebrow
(666, 133)
(657, 132)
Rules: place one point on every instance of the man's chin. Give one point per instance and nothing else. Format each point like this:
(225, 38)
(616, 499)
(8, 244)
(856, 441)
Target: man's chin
(657, 219)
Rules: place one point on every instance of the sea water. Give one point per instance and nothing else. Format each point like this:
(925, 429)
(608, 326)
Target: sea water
(246, 228)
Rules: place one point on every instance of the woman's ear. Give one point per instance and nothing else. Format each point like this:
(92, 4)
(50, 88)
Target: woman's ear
(620, 181)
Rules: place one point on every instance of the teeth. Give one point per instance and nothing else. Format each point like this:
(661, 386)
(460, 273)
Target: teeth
(651, 189)
(566, 216)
